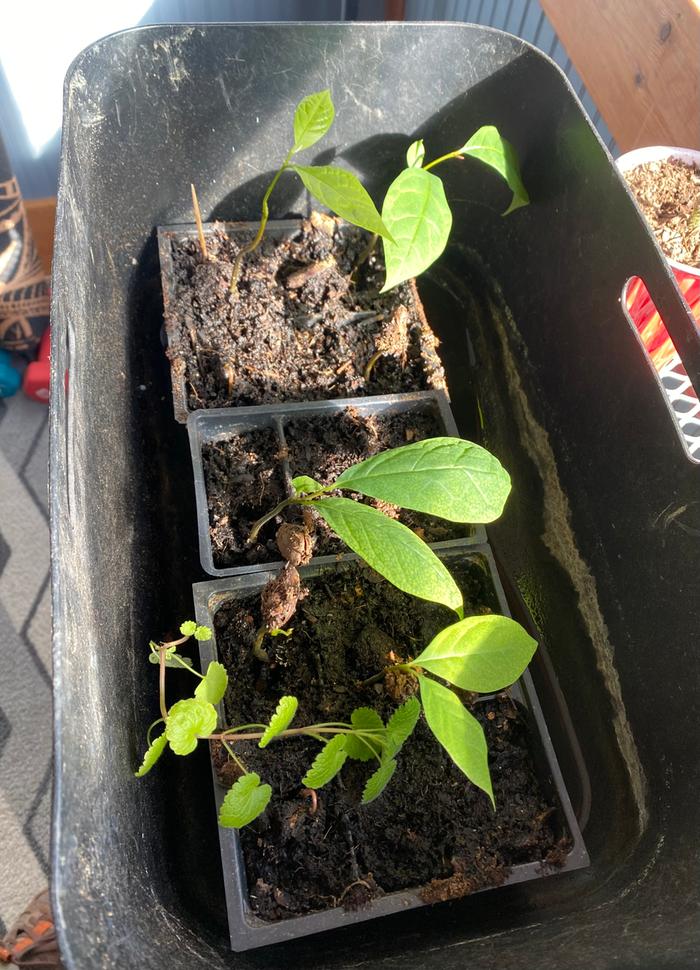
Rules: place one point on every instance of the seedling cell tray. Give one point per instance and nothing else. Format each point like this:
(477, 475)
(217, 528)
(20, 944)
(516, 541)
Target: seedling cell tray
(247, 930)
(217, 425)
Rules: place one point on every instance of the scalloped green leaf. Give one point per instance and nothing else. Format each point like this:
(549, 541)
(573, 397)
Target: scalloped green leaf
(490, 147)
(213, 687)
(202, 633)
(365, 719)
(170, 660)
(187, 720)
(417, 215)
(155, 750)
(303, 485)
(280, 720)
(458, 732)
(392, 549)
(448, 477)
(415, 154)
(313, 117)
(327, 763)
(480, 653)
(244, 801)
(187, 628)
(400, 725)
(343, 193)
(377, 782)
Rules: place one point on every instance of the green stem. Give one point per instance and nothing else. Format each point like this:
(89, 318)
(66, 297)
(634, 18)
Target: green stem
(233, 756)
(187, 666)
(263, 222)
(292, 500)
(312, 730)
(406, 668)
(161, 682)
(442, 158)
(148, 733)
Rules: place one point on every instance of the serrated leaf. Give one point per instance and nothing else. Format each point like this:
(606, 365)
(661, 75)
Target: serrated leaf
(480, 653)
(448, 477)
(343, 193)
(187, 628)
(187, 719)
(377, 782)
(458, 732)
(401, 724)
(280, 720)
(364, 719)
(313, 117)
(244, 801)
(202, 633)
(155, 750)
(415, 154)
(170, 660)
(327, 763)
(488, 145)
(213, 687)
(417, 215)
(392, 549)
(303, 485)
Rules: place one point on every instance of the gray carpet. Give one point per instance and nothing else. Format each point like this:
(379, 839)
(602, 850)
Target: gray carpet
(25, 655)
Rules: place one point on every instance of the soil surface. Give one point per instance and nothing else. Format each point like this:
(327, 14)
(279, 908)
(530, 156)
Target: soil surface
(299, 327)
(668, 193)
(430, 828)
(244, 479)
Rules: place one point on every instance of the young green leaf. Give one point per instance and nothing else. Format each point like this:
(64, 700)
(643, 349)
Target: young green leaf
(170, 660)
(415, 154)
(481, 653)
(327, 763)
(303, 485)
(278, 632)
(187, 628)
(312, 119)
(458, 732)
(343, 193)
(401, 724)
(392, 549)
(202, 633)
(418, 217)
(154, 752)
(280, 720)
(488, 145)
(244, 801)
(214, 685)
(377, 782)
(364, 719)
(448, 477)
(187, 720)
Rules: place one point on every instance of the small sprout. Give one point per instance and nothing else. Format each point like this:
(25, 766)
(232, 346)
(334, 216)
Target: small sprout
(187, 721)
(198, 220)
(279, 598)
(280, 720)
(294, 543)
(244, 802)
(303, 485)
(281, 633)
(392, 339)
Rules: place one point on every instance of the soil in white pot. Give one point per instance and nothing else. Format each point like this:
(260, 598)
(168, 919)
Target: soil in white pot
(668, 192)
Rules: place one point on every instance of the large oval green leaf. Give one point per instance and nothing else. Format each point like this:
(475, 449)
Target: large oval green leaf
(312, 119)
(244, 801)
(418, 217)
(448, 477)
(480, 653)
(392, 549)
(344, 194)
(213, 686)
(488, 145)
(458, 732)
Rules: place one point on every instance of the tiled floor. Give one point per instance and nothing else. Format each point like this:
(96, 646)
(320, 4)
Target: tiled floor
(25, 655)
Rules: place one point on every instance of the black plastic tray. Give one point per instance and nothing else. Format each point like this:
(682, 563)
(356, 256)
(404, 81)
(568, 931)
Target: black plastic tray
(247, 930)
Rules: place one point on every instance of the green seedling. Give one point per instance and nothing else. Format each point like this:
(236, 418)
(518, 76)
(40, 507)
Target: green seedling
(481, 653)
(450, 478)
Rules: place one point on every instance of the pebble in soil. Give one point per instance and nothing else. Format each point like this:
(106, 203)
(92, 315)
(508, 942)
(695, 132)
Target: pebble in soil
(300, 327)
(430, 828)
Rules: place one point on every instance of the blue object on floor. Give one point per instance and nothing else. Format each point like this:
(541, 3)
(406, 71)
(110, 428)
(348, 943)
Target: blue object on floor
(10, 379)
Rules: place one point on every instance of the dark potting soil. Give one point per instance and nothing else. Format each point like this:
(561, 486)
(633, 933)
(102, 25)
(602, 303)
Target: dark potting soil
(430, 828)
(324, 447)
(290, 334)
(668, 193)
(243, 479)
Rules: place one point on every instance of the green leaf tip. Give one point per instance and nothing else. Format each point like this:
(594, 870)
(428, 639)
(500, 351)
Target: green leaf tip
(481, 653)
(280, 720)
(415, 154)
(490, 147)
(343, 193)
(327, 763)
(213, 687)
(377, 782)
(244, 801)
(154, 752)
(313, 117)
(187, 720)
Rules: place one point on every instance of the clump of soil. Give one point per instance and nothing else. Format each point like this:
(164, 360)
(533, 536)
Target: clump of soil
(324, 447)
(301, 326)
(668, 193)
(430, 828)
